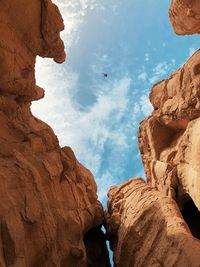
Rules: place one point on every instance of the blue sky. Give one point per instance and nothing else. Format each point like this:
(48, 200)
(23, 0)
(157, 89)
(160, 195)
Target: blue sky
(98, 117)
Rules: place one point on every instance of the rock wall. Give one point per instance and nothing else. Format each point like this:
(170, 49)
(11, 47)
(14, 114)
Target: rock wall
(169, 139)
(146, 228)
(185, 16)
(157, 222)
(50, 215)
(49, 212)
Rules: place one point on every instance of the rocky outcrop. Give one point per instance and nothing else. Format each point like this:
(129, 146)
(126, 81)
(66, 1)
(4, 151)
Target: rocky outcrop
(185, 16)
(146, 228)
(27, 29)
(157, 222)
(49, 212)
(169, 138)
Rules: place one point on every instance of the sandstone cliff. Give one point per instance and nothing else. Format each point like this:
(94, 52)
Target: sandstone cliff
(169, 139)
(49, 212)
(146, 228)
(157, 222)
(50, 215)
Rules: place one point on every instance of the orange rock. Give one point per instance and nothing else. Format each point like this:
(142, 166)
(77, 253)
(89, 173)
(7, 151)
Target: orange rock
(185, 16)
(146, 228)
(169, 138)
(49, 212)
(157, 223)
(27, 29)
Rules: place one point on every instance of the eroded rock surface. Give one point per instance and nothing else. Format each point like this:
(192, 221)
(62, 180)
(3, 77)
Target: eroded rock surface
(157, 222)
(185, 16)
(49, 212)
(169, 138)
(146, 228)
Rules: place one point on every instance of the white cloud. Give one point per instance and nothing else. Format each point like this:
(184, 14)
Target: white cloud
(143, 106)
(106, 180)
(142, 76)
(73, 13)
(191, 51)
(86, 131)
(146, 106)
(146, 57)
(161, 70)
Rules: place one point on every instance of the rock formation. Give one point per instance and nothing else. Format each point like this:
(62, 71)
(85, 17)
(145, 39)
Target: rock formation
(185, 16)
(49, 212)
(50, 215)
(168, 139)
(157, 222)
(147, 229)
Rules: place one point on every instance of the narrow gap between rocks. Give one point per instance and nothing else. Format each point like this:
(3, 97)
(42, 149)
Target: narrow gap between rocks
(97, 248)
(191, 216)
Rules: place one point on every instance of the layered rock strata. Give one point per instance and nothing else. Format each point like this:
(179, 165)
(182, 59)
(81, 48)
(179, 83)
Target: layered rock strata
(49, 212)
(185, 16)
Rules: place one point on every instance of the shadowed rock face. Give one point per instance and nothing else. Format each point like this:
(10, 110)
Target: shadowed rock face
(49, 212)
(185, 16)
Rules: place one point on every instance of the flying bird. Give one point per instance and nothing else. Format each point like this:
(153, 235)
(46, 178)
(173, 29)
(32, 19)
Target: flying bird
(105, 75)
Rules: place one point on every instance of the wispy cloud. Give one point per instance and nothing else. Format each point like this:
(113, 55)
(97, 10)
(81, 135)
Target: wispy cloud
(103, 133)
(73, 13)
(142, 76)
(159, 71)
(90, 131)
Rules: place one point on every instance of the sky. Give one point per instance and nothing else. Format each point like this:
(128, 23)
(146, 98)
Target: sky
(98, 117)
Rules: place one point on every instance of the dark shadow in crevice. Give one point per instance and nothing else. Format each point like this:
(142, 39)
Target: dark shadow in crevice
(96, 249)
(191, 216)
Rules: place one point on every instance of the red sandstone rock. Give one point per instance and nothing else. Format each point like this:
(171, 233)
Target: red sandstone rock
(27, 29)
(157, 223)
(49, 212)
(185, 16)
(146, 228)
(169, 138)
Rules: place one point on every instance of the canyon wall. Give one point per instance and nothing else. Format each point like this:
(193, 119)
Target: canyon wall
(157, 222)
(50, 215)
(49, 212)
(146, 228)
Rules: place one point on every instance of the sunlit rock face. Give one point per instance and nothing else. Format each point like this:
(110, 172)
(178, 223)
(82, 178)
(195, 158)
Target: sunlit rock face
(169, 138)
(146, 228)
(157, 222)
(49, 212)
(185, 16)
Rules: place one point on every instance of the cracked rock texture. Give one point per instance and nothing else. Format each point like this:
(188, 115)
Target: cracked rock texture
(49, 212)
(146, 228)
(169, 138)
(185, 16)
(157, 222)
